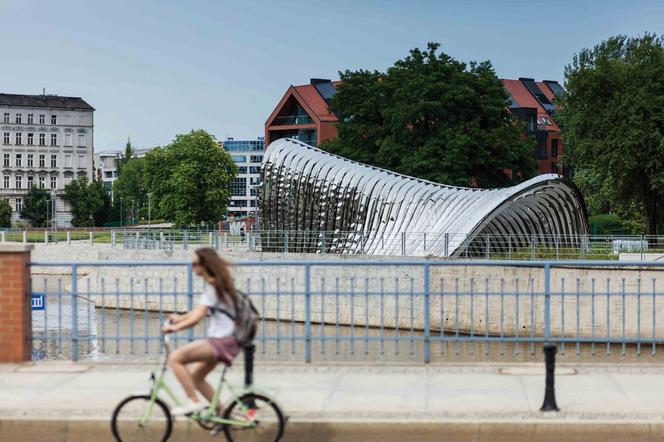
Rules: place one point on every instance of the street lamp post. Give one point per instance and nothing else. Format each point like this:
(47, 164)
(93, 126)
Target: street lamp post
(149, 213)
(53, 201)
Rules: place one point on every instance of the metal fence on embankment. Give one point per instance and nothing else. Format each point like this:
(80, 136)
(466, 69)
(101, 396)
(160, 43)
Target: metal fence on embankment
(416, 311)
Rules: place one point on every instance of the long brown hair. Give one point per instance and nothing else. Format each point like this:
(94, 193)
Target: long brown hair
(218, 269)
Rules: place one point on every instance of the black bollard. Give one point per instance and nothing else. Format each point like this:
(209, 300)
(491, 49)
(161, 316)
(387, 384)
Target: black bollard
(550, 391)
(249, 365)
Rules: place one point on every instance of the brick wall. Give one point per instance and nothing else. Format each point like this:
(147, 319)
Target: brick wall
(15, 305)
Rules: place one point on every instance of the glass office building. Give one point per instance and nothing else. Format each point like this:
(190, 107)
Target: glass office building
(248, 155)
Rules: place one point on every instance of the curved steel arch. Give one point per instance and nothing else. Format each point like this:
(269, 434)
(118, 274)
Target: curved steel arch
(305, 189)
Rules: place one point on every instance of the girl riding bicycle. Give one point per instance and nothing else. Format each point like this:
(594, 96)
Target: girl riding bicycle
(219, 296)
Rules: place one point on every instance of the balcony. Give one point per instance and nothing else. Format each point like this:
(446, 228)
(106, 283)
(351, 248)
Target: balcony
(290, 120)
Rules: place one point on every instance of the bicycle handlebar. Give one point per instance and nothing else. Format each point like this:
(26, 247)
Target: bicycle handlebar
(166, 337)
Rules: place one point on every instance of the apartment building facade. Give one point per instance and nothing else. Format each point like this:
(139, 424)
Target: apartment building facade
(248, 156)
(47, 141)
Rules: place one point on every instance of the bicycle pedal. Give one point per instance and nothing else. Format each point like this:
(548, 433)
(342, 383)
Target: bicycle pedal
(216, 430)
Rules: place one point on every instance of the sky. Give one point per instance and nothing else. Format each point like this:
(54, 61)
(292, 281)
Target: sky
(156, 68)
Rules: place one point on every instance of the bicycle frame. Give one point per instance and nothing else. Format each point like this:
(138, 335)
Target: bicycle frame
(208, 415)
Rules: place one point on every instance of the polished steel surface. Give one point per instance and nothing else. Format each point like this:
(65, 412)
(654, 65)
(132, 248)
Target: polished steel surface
(305, 189)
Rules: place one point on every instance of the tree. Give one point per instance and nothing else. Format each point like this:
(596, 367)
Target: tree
(35, 207)
(612, 121)
(5, 214)
(432, 117)
(122, 160)
(90, 205)
(190, 179)
(131, 185)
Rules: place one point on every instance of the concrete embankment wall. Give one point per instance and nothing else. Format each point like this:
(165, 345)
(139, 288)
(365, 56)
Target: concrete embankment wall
(505, 300)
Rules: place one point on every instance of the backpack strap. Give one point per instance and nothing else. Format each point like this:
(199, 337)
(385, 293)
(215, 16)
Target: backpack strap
(223, 311)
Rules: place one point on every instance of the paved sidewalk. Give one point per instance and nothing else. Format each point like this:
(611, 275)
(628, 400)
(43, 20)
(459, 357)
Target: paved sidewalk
(451, 402)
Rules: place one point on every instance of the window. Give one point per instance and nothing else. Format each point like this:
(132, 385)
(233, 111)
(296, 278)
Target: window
(239, 187)
(254, 181)
(81, 163)
(19, 204)
(252, 203)
(41, 118)
(54, 119)
(257, 158)
(6, 118)
(67, 160)
(81, 140)
(67, 139)
(19, 160)
(54, 182)
(554, 167)
(42, 139)
(41, 182)
(42, 160)
(19, 139)
(239, 158)
(18, 118)
(255, 169)
(31, 181)
(6, 160)
(54, 161)
(31, 161)
(5, 138)
(19, 181)
(30, 118)
(54, 139)
(554, 147)
(31, 140)
(242, 169)
(6, 185)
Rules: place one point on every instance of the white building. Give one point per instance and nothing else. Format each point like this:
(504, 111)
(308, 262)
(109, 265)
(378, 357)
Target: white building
(105, 168)
(47, 141)
(248, 155)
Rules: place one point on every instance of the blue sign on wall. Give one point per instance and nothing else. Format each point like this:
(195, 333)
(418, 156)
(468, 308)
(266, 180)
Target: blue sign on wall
(38, 302)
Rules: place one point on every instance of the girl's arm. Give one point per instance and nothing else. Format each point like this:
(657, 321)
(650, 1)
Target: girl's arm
(189, 320)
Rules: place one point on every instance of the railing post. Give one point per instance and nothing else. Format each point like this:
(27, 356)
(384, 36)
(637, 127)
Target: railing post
(2, 236)
(210, 239)
(307, 313)
(361, 243)
(403, 243)
(286, 242)
(425, 242)
(185, 240)
(225, 240)
(113, 238)
(190, 296)
(532, 247)
(25, 237)
(447, 245)
(74, 312)
(487, 253)
(92, 238)
(427, 319)
(550, 348)
(642, 251)
(509, 246)
(45, 236)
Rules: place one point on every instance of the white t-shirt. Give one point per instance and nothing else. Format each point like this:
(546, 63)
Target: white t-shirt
(221, 325)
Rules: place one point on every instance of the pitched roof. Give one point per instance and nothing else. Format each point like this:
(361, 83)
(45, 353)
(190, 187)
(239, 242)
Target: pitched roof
(316, 102)
(47, 101)
(524, 98)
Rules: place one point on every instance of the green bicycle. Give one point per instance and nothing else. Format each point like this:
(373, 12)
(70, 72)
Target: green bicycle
(249, 416)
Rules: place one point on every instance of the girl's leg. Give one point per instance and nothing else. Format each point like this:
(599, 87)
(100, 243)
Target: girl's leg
(198, 374)
(197, 351)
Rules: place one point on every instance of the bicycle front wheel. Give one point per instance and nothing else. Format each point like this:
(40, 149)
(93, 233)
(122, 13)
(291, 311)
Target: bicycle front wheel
(127, 425)
(264, 414)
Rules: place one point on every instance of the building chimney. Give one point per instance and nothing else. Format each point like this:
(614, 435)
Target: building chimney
(315, 81)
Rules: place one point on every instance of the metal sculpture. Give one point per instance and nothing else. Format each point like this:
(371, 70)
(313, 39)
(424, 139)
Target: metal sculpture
(349, 208)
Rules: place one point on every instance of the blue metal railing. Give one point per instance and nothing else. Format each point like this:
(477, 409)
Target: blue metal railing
(394, 310)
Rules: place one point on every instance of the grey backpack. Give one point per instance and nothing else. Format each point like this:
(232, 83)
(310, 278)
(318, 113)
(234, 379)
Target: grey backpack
(246, 319)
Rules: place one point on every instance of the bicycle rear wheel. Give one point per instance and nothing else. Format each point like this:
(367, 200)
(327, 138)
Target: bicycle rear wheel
(126, 426)
(268, 419)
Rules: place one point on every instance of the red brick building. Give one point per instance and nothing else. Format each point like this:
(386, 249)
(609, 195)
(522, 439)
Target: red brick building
(533, 102)
(303, 114)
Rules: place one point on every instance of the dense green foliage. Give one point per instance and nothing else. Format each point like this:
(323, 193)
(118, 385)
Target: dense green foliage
(432, 117)
(5, 214)
(90, 205)
(123, 159)
(130, 188)
(189, 179)
(35, 207)
(612, 118)
(606, 224)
